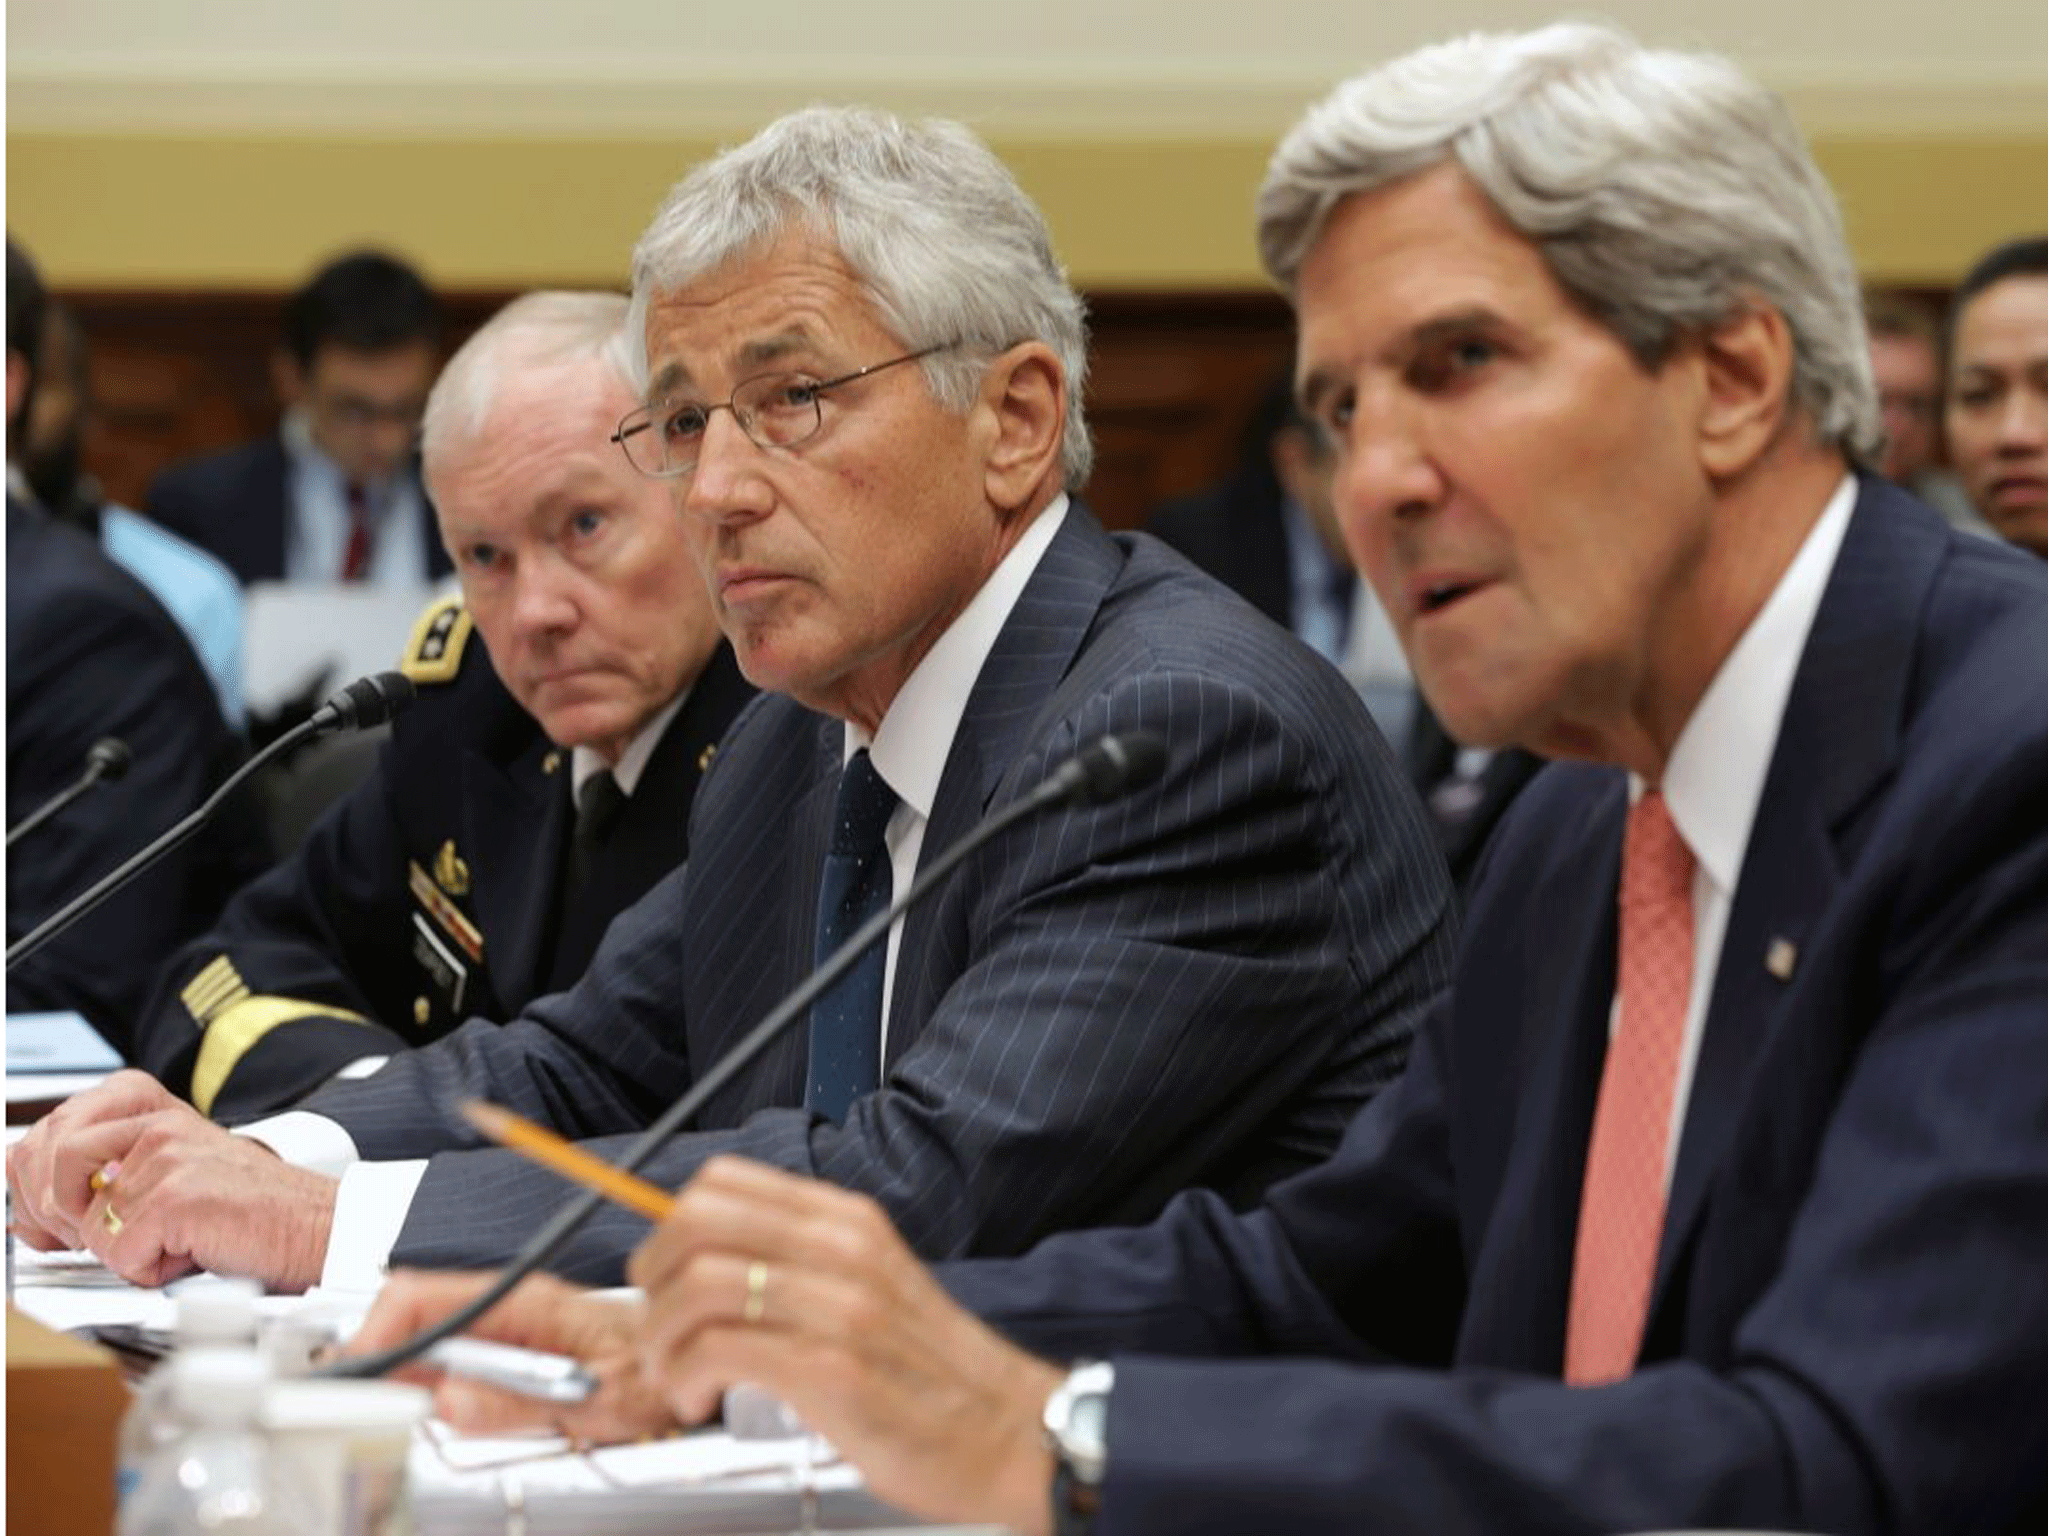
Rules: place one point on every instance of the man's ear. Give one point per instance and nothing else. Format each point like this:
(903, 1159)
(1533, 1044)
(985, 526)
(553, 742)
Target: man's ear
(1746, 367)
(1024, 396)
(287, 378)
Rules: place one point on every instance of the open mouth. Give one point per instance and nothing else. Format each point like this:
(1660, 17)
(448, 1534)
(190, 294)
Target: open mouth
(1436, 598)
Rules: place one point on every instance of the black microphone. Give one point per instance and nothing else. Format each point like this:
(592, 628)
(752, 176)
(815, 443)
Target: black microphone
(367, 701)
(1108, 767)
(105, 760)
(363, 703)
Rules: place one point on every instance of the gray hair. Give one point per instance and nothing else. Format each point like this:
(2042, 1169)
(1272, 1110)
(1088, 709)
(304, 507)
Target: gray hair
(932, 224)
(548, 329)
(1666, 192)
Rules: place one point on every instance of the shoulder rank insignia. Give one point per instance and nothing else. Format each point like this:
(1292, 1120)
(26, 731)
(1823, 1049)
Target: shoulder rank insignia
(434, 653)
(450, 872)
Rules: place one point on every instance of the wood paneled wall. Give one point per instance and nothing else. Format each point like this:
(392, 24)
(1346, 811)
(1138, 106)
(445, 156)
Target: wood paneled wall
(1173, 379)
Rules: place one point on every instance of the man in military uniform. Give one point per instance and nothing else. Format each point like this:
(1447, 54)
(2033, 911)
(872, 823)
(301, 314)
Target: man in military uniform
(568, 704)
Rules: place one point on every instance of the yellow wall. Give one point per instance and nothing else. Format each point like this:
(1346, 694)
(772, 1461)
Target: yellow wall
(113, 211)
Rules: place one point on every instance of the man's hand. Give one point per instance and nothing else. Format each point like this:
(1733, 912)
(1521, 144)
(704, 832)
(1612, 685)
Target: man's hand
(154, 1190)
(807, 1291)
(541, 1313)
(48, 1208)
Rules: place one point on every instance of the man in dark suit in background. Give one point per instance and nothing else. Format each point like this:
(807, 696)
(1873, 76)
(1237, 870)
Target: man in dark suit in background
(335, 495)
(91, 654)
(1716, 1192)
(583, 667)
(865, 375)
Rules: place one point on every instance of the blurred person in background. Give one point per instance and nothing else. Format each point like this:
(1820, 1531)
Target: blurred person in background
(335, 494)
(1998, 389)
(1905, 360)
(90, 655)
(200, 592)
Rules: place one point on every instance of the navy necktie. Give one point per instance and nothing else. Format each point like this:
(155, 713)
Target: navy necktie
(846, 1023)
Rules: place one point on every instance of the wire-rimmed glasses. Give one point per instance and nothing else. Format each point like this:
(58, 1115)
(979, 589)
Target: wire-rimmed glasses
(775, 410)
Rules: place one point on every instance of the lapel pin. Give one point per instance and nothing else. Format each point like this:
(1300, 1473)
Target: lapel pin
(1780, 958)
(704, 757)
(450, 872)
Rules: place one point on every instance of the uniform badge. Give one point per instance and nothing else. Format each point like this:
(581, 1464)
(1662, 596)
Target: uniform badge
(434, 653)
(704, 757)
(450, 872)
(452, 921)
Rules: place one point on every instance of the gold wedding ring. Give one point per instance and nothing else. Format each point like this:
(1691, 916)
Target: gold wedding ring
(110, 1219)
(757, 1290)
(99, 1180)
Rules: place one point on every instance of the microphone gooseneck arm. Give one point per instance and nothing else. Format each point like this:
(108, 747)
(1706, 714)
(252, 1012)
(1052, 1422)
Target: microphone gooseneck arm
(367, 701)
(106, 760)
(1142, 758)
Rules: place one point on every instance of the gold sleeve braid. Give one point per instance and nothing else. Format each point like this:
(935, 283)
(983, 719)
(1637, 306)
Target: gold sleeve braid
(233, 1019)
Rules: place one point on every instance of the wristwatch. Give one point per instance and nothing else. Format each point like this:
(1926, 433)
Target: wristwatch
(1076, 1421)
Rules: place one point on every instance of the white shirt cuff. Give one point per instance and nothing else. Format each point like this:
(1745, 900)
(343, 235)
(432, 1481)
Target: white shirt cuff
(305, 1140)
(369, 1213)
(362, 1066)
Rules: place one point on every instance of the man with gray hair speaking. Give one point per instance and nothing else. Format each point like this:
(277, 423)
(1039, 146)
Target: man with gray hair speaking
(864, 385)
(1716, 1192)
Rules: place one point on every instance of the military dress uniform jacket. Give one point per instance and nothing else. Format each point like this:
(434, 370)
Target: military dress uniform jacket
(432, 893)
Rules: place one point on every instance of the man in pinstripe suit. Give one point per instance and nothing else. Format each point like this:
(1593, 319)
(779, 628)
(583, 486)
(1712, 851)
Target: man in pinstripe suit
(1195, 986)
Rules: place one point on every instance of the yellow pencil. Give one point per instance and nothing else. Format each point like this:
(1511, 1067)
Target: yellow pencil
(571, 1162)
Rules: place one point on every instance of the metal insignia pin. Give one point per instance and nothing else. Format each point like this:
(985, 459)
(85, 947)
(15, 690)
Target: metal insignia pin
(1780, 958)
(450, 872)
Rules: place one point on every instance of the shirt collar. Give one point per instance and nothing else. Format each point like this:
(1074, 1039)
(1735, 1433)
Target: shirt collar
(1715, 775)
(583, 762)
(910, 747)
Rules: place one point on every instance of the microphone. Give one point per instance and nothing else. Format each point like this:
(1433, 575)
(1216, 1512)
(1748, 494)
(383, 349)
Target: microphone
(367, 701)
(1106, 769)
(363, 703)
(105, 760)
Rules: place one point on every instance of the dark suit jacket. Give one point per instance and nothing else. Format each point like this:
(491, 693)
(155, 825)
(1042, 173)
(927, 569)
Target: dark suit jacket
(432, 893)
(1198, 984)
(89, 654)
(1849, 1328)
(233, 504)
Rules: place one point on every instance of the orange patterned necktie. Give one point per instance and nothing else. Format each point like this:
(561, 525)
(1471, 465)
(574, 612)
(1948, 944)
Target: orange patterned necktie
(1621, 1210)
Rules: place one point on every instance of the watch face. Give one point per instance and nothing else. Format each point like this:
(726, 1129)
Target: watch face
(1087, 1429)
(1077, 1421)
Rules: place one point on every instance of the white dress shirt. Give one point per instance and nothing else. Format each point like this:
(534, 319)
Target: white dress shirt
(316, 529)
(1714, 778)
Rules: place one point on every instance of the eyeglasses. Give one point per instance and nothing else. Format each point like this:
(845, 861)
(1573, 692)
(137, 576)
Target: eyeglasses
(775, 410)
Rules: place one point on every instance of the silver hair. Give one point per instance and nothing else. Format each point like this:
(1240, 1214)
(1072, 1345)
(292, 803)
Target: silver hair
(933, 225)
(1666, 192)
(547, 329)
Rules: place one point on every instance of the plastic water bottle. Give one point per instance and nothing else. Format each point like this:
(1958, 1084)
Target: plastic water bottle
(219, 1476)
(211, 1312)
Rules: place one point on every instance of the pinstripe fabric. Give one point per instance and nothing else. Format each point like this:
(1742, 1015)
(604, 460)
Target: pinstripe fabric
(1197, 985)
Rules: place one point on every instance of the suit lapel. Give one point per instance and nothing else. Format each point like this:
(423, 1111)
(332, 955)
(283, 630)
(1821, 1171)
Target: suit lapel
(1836, 745)
(1017, 682)
(516, 821)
